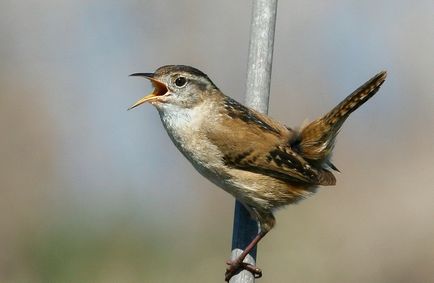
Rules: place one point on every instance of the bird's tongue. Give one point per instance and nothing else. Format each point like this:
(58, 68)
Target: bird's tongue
(159, 88)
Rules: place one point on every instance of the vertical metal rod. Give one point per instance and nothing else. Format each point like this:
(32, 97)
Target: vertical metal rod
(257, 96)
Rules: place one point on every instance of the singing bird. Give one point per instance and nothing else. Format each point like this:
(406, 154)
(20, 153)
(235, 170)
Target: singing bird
(260, 161)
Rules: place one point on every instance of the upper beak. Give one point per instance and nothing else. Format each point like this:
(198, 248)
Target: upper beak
(159, 89)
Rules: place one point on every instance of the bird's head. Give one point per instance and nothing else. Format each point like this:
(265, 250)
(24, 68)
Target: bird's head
(178, 85)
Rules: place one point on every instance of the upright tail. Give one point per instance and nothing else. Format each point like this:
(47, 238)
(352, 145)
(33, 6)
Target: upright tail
(317, 139)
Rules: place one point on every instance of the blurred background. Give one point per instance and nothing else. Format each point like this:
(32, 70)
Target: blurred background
(90, 192)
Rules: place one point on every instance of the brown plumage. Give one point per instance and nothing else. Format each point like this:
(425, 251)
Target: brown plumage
(318, 138)
(258, 160)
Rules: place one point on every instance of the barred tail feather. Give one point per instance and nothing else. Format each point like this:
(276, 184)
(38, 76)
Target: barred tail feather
(317, 139)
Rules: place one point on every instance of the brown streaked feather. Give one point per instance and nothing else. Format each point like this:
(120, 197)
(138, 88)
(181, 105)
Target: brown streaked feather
(317, 139)
(236, 110)
(261, 145)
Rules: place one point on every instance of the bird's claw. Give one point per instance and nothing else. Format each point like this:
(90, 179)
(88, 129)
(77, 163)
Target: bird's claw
(236, 266)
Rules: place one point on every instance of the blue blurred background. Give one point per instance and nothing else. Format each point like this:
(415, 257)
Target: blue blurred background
(92, 193)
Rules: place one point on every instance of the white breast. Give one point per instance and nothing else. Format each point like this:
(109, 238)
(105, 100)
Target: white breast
(186, 127)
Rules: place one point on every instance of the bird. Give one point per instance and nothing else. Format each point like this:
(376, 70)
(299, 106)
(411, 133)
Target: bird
(261, 162)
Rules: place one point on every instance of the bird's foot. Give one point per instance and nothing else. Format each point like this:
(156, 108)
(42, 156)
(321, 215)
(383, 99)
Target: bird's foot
(235, 266)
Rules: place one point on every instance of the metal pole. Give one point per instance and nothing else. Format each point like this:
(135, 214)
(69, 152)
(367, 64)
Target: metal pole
(257, 95)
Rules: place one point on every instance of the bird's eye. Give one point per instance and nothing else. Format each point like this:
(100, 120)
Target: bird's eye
(180, 81)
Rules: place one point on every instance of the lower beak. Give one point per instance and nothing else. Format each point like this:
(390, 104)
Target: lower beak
(159, 89)
(147, 98)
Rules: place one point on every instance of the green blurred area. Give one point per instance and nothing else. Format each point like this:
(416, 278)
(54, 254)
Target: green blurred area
(77, 250)
(92, 193)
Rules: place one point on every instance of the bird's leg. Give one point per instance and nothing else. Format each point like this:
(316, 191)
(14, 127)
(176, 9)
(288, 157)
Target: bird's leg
(237, 264)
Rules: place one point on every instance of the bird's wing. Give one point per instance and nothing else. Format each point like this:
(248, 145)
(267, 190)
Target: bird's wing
(254, 142)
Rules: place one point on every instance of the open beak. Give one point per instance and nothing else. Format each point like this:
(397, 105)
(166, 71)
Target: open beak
(160, 89)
